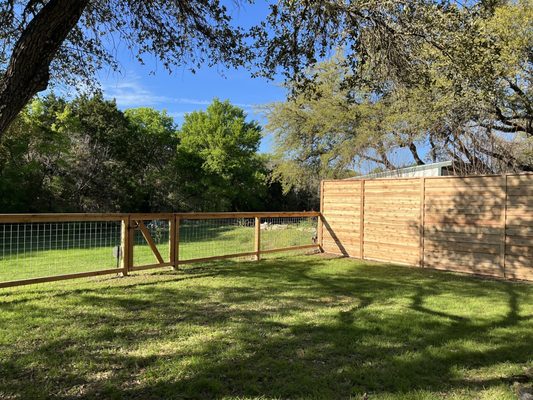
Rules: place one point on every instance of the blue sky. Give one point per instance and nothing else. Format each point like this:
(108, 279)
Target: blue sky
(182, 91)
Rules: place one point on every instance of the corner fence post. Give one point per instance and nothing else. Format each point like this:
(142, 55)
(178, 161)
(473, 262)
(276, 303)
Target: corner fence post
(257, 241)
(362, 220)
(320, 227)
(126, 245)
(172, 241)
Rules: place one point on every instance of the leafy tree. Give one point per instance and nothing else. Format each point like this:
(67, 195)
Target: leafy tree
(472, 106)
(68, 40)
(217, 154)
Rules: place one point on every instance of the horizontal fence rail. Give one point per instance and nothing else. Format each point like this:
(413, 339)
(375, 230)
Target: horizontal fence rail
(36, 248)
(478, 224)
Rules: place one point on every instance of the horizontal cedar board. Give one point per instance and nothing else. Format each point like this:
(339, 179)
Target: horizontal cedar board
(464, 237)
(525, 220)
(341, 229)
(465, 182)
(520, 201)
(341, 183)
(341, 241)
(463, 229)
(397, 247)
(520, 180)
(338, 204)
(466, 247)
(465, 191)
(519, 250)
(383, 196)
(411, 214)
(353, 251)
(465, 198)
(523, 273)
(354, 238)
(391, 182)
(332, 225)
(463, 219)
(519, 210)
(494, 213)
(333, 213)
(343, 196)
(391, 255)
(460, 257)
(520, 231)
(519, 261)
(392, 191)
(465, 209)
(372, 242)
(411, 262)
(519, 241)
(461, 203)
(520, 191)
(478, 269)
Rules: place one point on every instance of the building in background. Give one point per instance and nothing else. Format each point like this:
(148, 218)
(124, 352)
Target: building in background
(443, 168)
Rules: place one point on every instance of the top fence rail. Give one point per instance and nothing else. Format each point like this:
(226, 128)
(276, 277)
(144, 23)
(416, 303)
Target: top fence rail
(67, 217)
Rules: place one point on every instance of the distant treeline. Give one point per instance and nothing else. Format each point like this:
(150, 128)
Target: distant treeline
(86, 155)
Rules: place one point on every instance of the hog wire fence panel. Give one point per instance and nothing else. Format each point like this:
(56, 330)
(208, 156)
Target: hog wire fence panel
(43, 249)
(285, 232)
(204, 238)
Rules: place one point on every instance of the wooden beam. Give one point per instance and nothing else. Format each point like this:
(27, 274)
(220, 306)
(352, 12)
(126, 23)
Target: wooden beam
(292, 248)
(421, 222)
(177, 252)
(213, 258)
(146, 233)
(320, 225)
(172, 240)
(151, 266)
(504, 227)
(257, 239)
(126, 243)
(59, 277)
(362, 220)
(247, 215)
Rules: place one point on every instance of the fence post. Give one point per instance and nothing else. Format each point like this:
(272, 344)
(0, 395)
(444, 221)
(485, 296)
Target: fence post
(257, 242)
(320, 225)
(504, 228)
(362, 220)
(126, 245)
(176, 260)
(172, 241)
(421, 223)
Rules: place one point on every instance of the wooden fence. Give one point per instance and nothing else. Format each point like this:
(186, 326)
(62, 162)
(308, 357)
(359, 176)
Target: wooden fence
(37, 248)
(480, 224)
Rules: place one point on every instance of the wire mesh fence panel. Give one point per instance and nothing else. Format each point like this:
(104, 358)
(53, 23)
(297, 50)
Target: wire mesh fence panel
(159, 231)
(35, 250)
(215, 237)
(282, 232)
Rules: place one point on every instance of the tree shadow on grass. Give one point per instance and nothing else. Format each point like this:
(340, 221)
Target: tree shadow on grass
(287, 328)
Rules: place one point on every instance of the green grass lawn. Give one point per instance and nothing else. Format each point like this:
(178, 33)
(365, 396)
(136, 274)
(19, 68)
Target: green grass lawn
(305, 327)
(51, 256)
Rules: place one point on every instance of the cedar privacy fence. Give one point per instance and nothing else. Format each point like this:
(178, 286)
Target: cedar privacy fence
(50, 247)
(480, 224)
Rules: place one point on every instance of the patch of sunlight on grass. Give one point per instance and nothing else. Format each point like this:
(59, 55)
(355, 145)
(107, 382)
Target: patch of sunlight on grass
(304, 327)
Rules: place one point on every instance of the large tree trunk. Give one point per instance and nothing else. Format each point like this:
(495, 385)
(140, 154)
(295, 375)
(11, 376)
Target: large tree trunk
(28, 71)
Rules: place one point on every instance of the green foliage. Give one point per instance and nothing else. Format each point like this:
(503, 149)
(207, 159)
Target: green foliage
(221, 147)
(86, 155)
(465, 96)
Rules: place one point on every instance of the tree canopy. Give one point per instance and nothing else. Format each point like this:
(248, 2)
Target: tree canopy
(470, 103)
